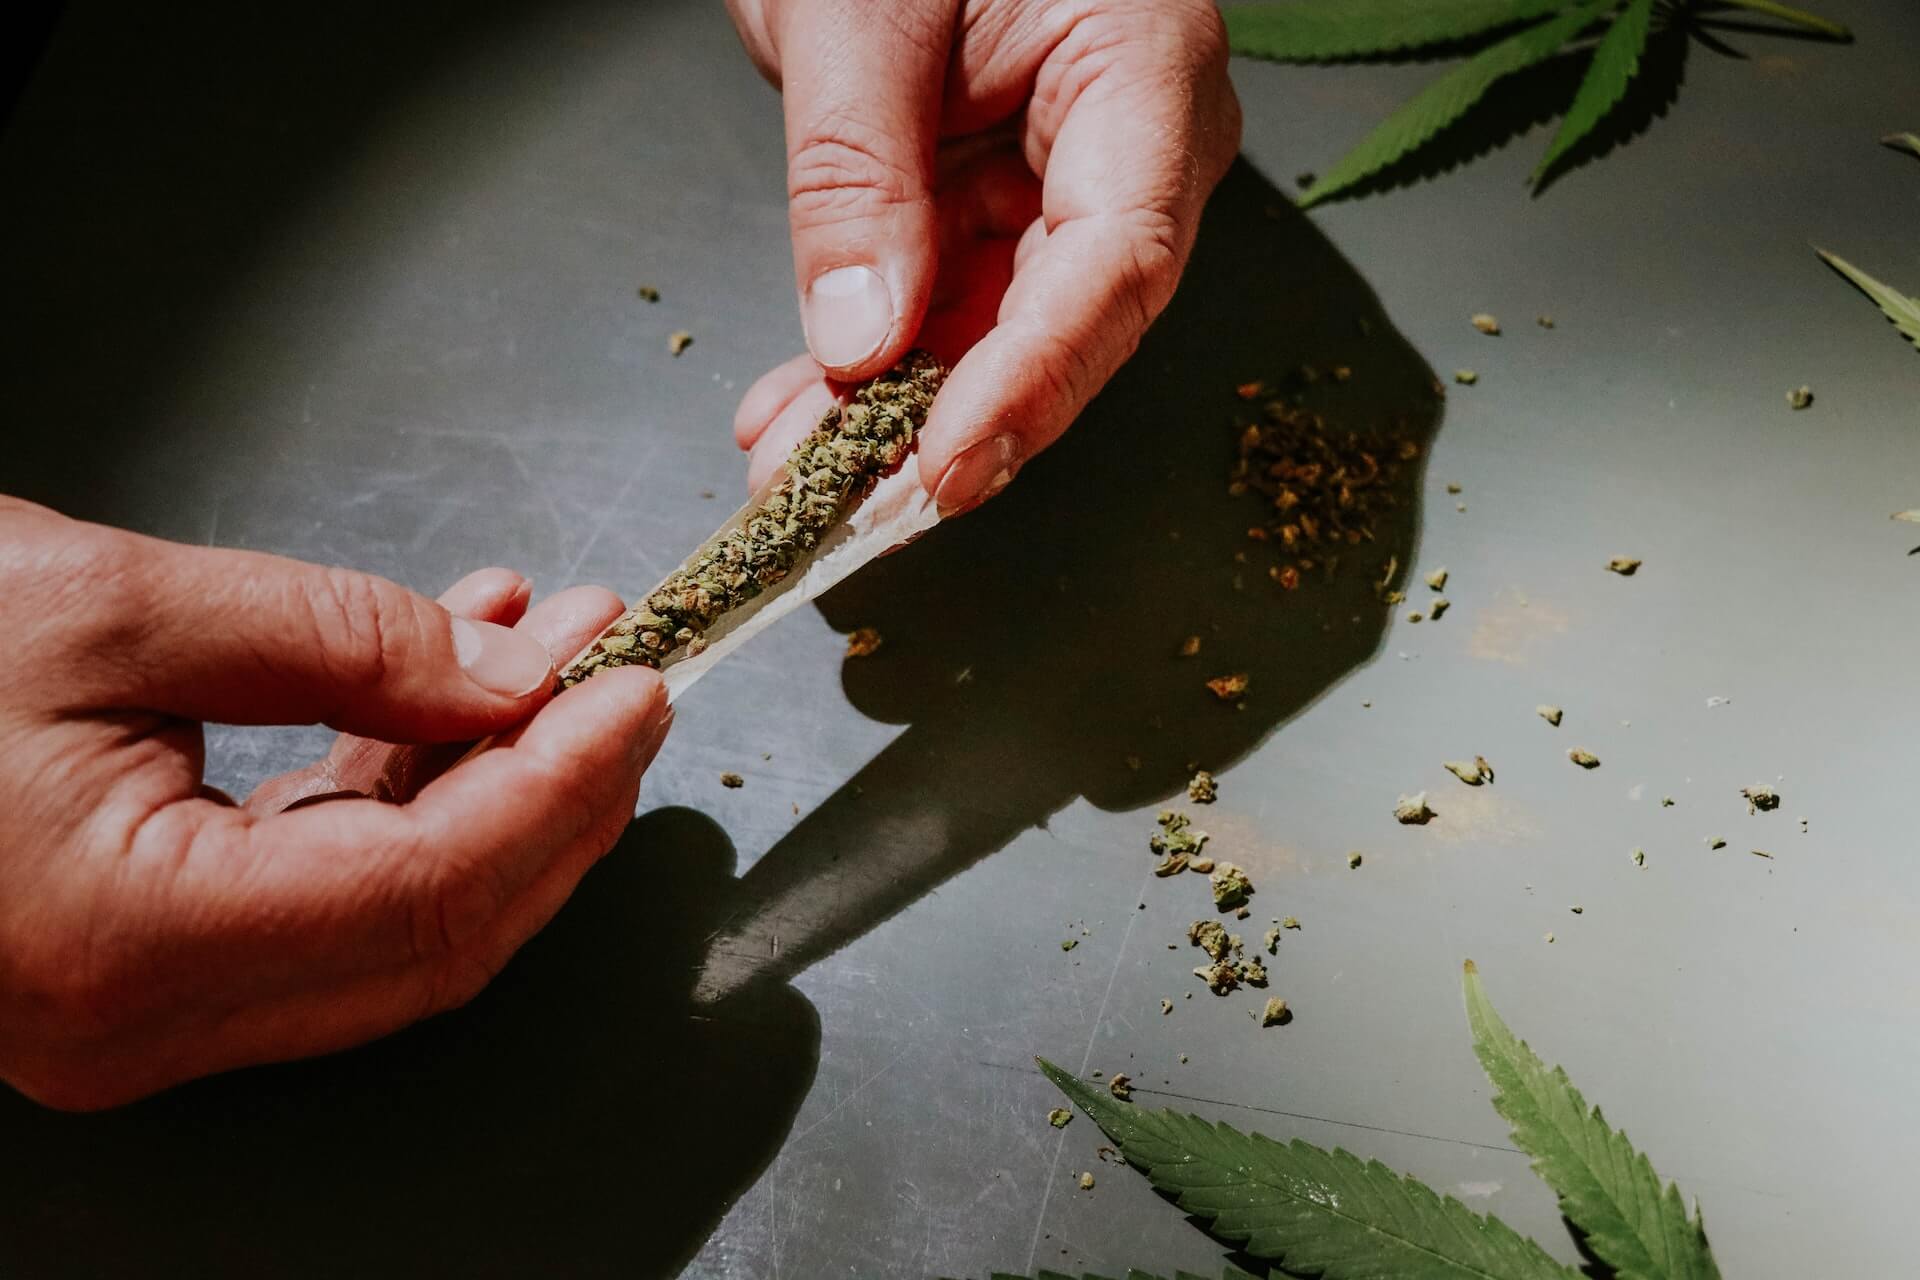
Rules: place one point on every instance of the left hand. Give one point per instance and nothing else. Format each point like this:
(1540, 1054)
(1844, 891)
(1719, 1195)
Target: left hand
(1013, 184)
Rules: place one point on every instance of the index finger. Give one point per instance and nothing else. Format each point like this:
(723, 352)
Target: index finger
(1133, 122)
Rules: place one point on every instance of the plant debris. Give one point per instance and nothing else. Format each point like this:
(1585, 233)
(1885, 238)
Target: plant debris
(1272, 942)
(1550, 714)
(1437, 579)
(1625, 566)
(828, 474)
(1486, 324)
(1468, 771)
(1584, 758)
(1353, 861)
(1059, 1117)
(679, 340)
(1121, 1086)
(1069, 944)
(1412, 810)
(1439, 606)
(1549, 935)
(863, 642)
(1465, 377)
(1544, 320)
(1639, 857)
(1577, 909)
(1230, 887)
(1228, 687)
(1190, 647)
(1086, 1182)
(1202, 789)
(1203, 865)
(1177, 834)
(732, 781)
(1275, 1013)
(1715, 842)
(1800, 397)
(1290, 922)
(1761, 799)
(1761, 853)
(648, 293)
(1166, 1007)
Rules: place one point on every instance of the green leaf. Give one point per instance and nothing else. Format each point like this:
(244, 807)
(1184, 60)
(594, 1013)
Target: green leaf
(1449, 97)
(1606, 1188)
(1902, 310)
(1903, 142)
(1324, 1213)
(1615, 63)
(1327, 30)
(1798, 17)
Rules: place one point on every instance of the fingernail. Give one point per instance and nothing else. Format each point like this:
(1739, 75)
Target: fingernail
(980, 471)
(847, 313)
(499, 659)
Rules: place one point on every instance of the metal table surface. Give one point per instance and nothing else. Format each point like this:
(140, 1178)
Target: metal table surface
(357, 283)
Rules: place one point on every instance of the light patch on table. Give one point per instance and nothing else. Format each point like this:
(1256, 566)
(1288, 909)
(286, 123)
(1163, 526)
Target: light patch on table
(1477, 1190)
(1480, 814)
(1239, 840)
(1509, 629)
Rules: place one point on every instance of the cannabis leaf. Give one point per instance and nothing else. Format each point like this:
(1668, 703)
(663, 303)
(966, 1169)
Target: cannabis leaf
(1606, 1188)
(1320, 1212)
(1328, 30)
(1614, 64)
(1899, 308)
(1903, 142)
(1798, 17)
(1449, 97)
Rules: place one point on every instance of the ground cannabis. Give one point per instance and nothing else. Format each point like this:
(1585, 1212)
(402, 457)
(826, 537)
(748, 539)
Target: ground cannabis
(1800, 397)
(732, 781)
(1412, 810)
(1487, 324)
(1086, 1182)
(1272, 942)
(648, 293)
(1577, 909)
(1467, 771)
(1230, 887)
(1762, 853)
(1439, 606)
(1069, 944)
(1715, 842)
(1190, 647)
(1544, 320)
(679, 340)
(1625, 566)
(1211, 937)
(1166, 1007)
(863, 642)
(1177, 835)
(826, 476)
(1550, 714)
(1639, 857)
(1059, 1117)
(1121, 1086)
(1228, 687)
(1438, 578)
(1203, 789)
(1761, 799)
(1275, 1013)
(1465, 377)
(1290, 922)
(1353, 861)
(1583, 757)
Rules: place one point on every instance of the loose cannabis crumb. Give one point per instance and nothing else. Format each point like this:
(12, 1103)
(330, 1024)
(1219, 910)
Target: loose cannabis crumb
(1203, 865)
(1639, 857)
(1487, 324)
(1415, 616)
(1800, 397)
(1228, 687)
(1190, 647)
(863, 642)
(1413, 810)
(1715, 842)
(1121, 1086)
(1465, 770)
(1486, 770)
(1439, 606)
(1550, 714)
(1133, 763)
(1202, 789)
(732, 781)
(1059, 1117)
(1544, 320)
(1577, 909)
(1183, 1058)
(679, 340)
(1549, 937)
(1069, 944)
(1086, 1182)
(1465, 377)
(1625, 566)
(1290, 922)
(826, 476)
(1230, 887)
(1211, 937)
(1272, 942)
(1353, 861)
(1666, 802)
(1275, 1013)
(1762, 853)
(648, 293)
(1583, 757)
(1453, 487)
(1241, 913)
(1177, 837)
(1437, 579)
(1761, 799)
(1166, 1007)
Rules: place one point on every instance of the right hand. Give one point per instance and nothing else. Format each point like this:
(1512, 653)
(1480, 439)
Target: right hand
(151, 930)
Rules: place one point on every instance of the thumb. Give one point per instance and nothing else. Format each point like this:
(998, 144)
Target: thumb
(244, 638)
(863, 85)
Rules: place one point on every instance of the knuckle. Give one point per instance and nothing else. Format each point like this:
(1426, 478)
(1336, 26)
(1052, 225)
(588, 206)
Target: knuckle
(842, 170)
(457, 903)
(363, 627)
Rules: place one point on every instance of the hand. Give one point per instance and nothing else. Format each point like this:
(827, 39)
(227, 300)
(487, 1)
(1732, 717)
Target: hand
(1015, 182)
(151, 930)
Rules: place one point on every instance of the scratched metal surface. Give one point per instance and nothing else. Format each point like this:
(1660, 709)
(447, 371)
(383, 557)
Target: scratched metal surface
(358, 286)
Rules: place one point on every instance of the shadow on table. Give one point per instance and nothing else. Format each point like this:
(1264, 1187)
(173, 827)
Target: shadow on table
(1031, 648)
(580, 1118)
